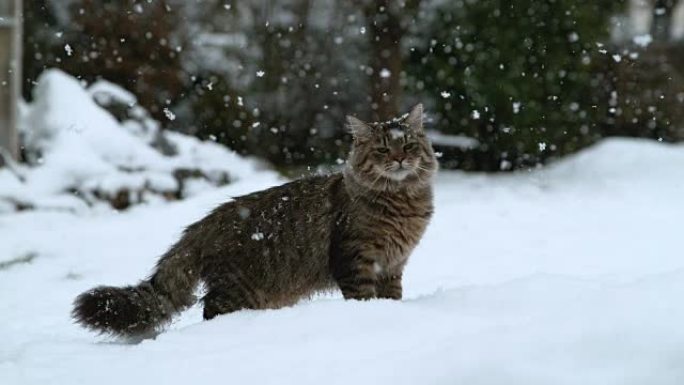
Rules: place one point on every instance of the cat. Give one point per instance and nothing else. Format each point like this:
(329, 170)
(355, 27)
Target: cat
(353, 230)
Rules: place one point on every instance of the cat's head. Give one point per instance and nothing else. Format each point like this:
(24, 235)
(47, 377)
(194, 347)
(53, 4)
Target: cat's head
(393, 153)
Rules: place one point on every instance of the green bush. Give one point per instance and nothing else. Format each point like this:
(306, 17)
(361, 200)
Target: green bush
(523, 77)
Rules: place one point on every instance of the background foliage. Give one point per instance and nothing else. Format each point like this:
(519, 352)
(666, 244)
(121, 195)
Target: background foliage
(529, 80)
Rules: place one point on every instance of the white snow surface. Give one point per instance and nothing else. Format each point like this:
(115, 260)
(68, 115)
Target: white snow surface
(81, 147)
(572, 274)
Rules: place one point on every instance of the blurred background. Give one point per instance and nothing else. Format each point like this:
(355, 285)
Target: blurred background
(508, 84)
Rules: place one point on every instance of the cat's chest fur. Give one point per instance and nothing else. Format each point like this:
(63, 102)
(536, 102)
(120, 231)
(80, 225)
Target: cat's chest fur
(392, 226)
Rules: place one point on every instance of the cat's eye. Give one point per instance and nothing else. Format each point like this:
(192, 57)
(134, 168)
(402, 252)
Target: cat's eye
(409, 146)
(382, 150)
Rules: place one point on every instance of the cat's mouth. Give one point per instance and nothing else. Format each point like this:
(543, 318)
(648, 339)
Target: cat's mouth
(398, 174)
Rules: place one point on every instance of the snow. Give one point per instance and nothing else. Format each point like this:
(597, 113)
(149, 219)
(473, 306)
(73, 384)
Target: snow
(169, 114)
(571, 274)
(76, 146)
(458, 141)
(106, 92)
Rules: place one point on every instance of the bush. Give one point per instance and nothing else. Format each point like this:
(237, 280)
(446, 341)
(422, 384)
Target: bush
(135, 44)
(523, 78)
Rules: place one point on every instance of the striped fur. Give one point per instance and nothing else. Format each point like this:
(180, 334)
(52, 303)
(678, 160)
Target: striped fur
(354, 230)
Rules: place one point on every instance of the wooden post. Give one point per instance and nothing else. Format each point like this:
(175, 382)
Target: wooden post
(10, 74)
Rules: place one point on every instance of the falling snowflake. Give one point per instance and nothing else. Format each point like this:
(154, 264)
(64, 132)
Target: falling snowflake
(475, 114)
(169, 115)
(385, 73)
(258, 236)
(445, 94)
(617, 58)
(69, 50)
(260, 74)
(516, 107)
(240, 102)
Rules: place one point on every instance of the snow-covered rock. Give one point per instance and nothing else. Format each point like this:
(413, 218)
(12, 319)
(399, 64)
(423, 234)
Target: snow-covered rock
(80, 155)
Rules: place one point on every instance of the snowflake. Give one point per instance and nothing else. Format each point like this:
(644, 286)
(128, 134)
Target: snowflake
(169, 115)
(69, 50)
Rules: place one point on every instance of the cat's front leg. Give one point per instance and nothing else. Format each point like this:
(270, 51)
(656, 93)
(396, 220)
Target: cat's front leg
(389, 286)
(359, 280)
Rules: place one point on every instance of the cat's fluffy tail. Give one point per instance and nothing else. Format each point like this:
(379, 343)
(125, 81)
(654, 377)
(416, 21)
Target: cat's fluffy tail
(139, 311)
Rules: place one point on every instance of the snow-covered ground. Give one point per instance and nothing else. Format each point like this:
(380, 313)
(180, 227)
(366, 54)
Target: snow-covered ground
(573, 274)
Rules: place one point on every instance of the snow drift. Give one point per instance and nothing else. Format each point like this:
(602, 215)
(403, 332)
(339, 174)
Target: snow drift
(572, 274)
(80, 155)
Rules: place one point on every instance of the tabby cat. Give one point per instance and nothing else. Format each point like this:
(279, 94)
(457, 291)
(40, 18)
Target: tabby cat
(354, 230)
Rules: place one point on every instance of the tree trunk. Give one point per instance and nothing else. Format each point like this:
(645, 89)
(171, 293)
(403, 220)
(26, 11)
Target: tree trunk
(385, 33)
(10, 75)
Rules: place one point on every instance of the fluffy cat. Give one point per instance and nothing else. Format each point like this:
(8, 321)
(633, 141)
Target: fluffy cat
(354, 230)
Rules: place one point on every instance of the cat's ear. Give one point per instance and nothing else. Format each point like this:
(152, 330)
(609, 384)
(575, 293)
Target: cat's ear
(358, 128)
(415, 118)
